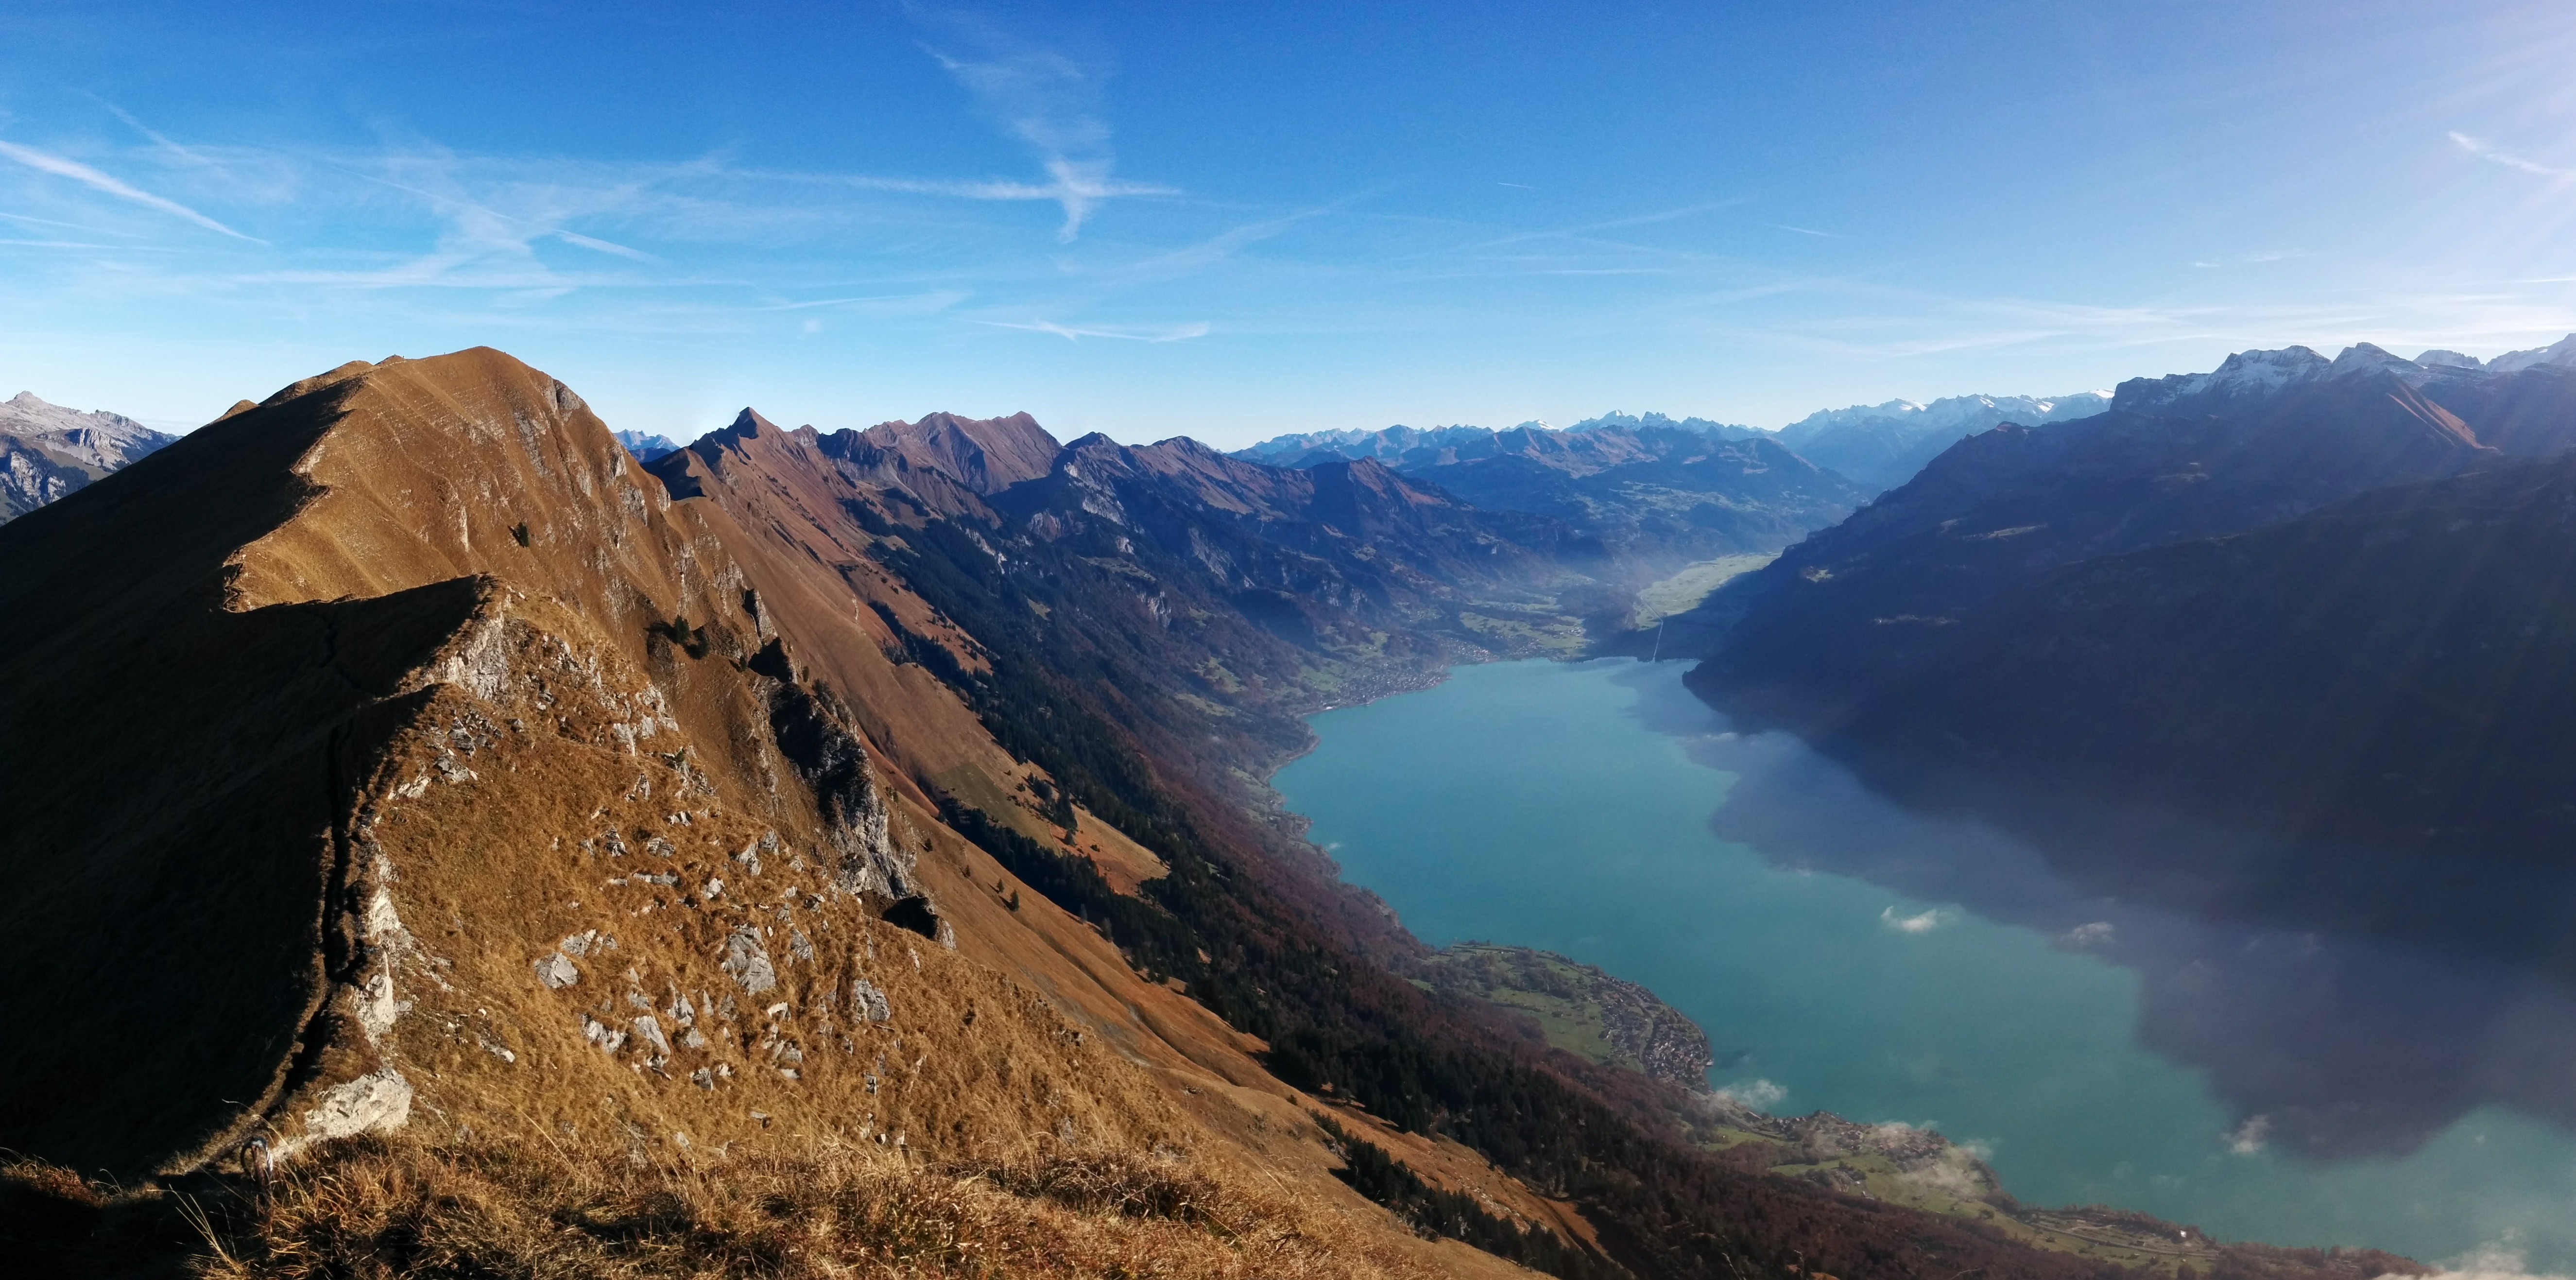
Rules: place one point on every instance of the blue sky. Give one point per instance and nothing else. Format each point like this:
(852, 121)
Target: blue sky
(1233, 220)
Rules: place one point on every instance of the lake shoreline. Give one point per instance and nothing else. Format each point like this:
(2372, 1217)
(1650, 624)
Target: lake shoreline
(1439, 806)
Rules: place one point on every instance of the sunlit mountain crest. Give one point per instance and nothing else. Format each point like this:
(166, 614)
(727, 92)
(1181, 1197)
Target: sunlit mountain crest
(2255, 374)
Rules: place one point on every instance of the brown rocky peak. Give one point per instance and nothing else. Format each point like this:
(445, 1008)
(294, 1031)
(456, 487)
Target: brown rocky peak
(988, 455)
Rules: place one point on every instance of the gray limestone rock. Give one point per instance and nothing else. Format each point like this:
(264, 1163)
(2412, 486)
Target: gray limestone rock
(868, 1002)
(557, 971)
(747, 962)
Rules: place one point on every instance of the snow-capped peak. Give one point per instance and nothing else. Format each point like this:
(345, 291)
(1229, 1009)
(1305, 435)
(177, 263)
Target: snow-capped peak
(2243, 375)
(1952, 412)
(2364, 357)
(2561, 353)
(2440, 359)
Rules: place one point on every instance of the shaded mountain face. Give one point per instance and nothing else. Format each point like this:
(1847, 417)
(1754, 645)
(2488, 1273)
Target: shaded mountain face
(1882, 446)
(1662, 499)
(1337, 549)
(1270, 588)
(1855, 605)
(47, 451)
(1653, 493)
(2276, 638)
(2298, 718)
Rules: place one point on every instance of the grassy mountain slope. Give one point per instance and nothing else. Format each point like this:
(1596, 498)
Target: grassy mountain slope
(492, 841)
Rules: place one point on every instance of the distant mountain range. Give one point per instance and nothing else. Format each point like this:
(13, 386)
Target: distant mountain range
(1407, 448)
(1882, 446)
(1654, 491)
(47, 451)
(645, 447)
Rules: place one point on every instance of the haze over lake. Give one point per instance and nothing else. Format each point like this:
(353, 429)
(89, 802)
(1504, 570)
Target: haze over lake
(1846, 956)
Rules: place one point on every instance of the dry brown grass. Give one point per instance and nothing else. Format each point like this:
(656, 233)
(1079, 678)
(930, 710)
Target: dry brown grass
(378, 1209)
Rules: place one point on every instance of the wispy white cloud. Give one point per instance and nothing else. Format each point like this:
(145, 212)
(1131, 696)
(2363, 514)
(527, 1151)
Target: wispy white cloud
(1923, 922)
(68, 226)
(1176, 333)
(1044, 97)
(596, 245)
(1810, 231)
(62, 167)
(1072, 184)
(2483, 151)
(168, 147)
(934, 300)
(1621, 223)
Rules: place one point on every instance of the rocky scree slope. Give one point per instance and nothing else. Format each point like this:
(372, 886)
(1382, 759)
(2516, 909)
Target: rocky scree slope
(47, 451)
(488, 808)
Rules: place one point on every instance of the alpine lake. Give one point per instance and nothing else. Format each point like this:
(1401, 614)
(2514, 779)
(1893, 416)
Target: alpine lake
(1849, 956)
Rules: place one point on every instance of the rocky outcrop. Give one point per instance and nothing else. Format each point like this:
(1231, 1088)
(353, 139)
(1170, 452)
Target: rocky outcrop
(47, 452)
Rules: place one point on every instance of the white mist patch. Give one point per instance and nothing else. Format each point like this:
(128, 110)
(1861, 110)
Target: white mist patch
(1925, 922)
(2500, 1260)
(1953, 1173)
(2096, 934)
(2251, 1137)
(1760, 1095)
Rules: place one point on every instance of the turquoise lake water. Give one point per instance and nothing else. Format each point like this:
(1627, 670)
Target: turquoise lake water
(1846, 956)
